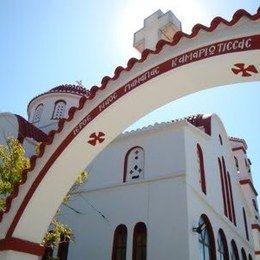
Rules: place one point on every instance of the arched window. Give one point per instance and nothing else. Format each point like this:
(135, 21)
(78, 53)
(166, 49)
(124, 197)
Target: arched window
(119, 244)
(236, 163)
(222, 247)
(201, 169)
(250, 257)
(139, 241)
(243, 253)
(234, 252)
(245, 224)
(37, 113)
(233, 216)
(59, 109)
(134, 164)
(206, 239)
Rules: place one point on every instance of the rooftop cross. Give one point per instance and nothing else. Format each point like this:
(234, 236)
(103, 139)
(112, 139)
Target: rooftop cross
(156, 27)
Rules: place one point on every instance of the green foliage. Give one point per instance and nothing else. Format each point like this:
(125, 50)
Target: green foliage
(81, 178)
(12, 163)
(59, 233)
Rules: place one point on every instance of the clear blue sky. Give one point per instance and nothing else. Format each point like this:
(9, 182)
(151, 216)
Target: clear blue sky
(47, 43)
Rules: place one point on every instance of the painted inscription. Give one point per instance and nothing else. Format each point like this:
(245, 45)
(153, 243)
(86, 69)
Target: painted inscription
(212, 50)
(219, 48)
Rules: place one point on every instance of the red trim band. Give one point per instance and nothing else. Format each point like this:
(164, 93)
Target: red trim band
(20, 245)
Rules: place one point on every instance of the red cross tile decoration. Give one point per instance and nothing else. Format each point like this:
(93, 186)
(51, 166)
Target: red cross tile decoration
(245, 71)
(96, 138)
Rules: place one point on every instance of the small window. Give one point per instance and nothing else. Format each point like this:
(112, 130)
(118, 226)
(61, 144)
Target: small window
(59, 109)
(134, 164)
(201, 169)
(250, 257)
(245, 224)
(236, 163)
(139, 241)
(37, 113)
(119, 244)
(220, 139)
(255, 205)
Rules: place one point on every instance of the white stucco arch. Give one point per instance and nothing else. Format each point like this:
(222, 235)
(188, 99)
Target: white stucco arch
(225, 53)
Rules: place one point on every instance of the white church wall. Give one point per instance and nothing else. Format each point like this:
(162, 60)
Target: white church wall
(158, 200)
(9, 127)
(166, 141)
(168, 220)
(160, 204)
(30, 146)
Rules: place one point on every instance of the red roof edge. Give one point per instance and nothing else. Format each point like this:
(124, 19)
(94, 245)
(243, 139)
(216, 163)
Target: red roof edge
(201, 121)
(26, 129)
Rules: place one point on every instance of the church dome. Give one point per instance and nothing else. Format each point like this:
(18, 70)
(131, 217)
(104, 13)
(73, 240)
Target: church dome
(68, 88)
(46, 109)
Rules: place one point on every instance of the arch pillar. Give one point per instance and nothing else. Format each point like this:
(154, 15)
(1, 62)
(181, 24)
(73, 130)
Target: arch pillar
(15, 248)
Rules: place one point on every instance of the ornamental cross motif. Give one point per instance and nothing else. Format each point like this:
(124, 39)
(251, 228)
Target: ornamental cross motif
(96, 138)
(246, 71)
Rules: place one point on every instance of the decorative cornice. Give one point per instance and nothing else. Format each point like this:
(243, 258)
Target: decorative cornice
(198, 120)
(256, 226)
(239, 140)
(239, 148)
(248, 181)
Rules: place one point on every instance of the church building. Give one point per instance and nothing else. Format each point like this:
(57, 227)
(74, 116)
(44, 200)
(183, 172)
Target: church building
(176, 190)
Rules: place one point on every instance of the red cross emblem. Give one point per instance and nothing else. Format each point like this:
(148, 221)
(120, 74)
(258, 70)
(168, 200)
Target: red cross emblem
(96, 138)
(246, 71)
